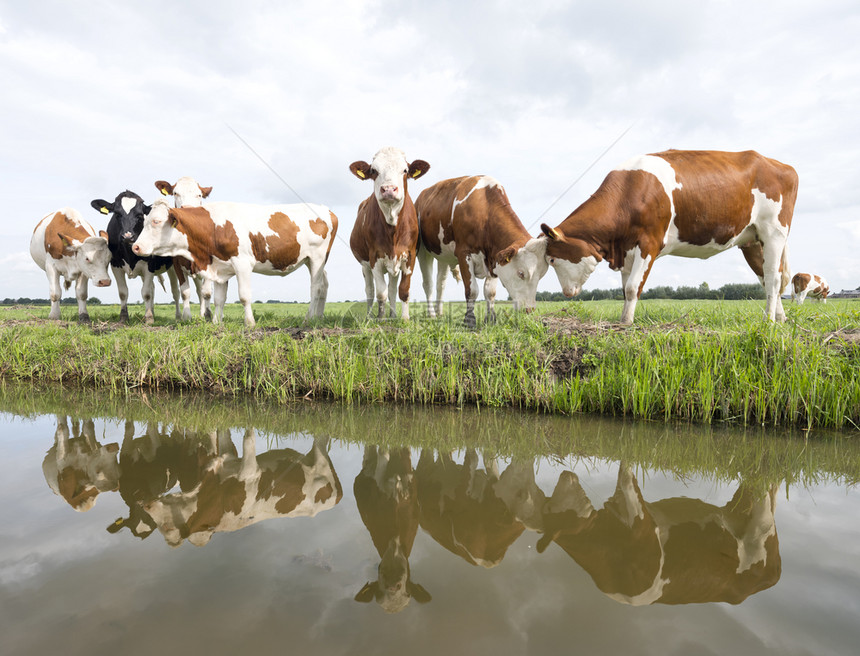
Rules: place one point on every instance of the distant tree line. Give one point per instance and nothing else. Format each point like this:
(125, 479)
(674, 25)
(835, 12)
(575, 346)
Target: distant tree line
(731, 292)
(71, 300)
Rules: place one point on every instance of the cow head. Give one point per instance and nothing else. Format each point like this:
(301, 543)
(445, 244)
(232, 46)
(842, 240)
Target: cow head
(390, 173)
(159, 235)
(186, 192)
(520, 270)
(394, 589)
(126, 217)
(93, 256)
(573, 259)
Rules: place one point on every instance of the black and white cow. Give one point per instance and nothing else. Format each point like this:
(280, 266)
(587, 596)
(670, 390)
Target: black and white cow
(127, 212)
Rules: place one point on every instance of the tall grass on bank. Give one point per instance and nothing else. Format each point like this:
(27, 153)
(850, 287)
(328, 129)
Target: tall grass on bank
(700, 361)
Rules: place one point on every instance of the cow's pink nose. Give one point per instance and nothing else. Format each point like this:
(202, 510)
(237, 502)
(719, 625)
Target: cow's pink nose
(136, 249)
(388, 191)
(103, 283)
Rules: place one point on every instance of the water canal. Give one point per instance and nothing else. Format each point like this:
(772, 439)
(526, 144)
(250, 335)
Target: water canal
(155, 524)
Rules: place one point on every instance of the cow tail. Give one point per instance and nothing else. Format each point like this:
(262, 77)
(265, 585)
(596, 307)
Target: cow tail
(160, 277)
(785, 269)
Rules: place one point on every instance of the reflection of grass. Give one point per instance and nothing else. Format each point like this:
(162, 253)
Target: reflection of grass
(755, 455)
(700, 361)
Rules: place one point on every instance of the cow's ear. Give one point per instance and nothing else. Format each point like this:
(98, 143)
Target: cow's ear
(172, 218)
(367, 593)
(418, 168)
(418, 593)
(164, 187)
(552, 233)
(102, 206)
(360, 169)
(103, 234)
(205, 191)
(66, 241)
(506, 255)
(146, 209)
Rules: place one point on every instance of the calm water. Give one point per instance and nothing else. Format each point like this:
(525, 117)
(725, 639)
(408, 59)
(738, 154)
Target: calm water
(148, 537)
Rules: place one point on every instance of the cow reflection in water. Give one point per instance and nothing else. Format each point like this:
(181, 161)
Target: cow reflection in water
(77, 467)
(156, 462)
(386, 494)
(477, 513)
(672, 551)
(218, 489)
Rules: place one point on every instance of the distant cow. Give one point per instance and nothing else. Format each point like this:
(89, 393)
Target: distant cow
(672, 551)
(77, 467)
(809, 284)
(387, 498)
(468, 222)
(63, 244)
(126, 221)
(187, 192)
(385, 236)
(687, 203)
(226, 239)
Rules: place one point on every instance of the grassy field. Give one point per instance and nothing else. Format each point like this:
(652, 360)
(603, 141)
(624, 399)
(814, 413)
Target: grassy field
(700, 361)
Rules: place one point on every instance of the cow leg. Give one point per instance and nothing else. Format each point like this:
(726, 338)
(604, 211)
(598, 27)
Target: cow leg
(319, 291)
(122, 289)
(800, 297)
(773, 256)
(470, 282)
(243, 284)
(633, 277)
(54, 291)
(174, 290)
(148, 294)
(81, 295)
(367, 273)
(393, 281)
(405, 284)
(425, 261)
(381, 288)
(204, 294)
(490, 285)
(219, 297)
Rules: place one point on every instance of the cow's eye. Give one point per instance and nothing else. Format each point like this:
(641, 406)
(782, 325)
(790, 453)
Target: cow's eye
(522, 275)
(552, 260)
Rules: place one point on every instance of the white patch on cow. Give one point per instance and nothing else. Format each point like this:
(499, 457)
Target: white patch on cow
(390, 166)
(187, 193)
(573, 275)
(484, 181)
(128, 203)
(522, 274)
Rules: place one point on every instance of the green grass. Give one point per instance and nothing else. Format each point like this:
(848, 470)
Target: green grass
(697, 361)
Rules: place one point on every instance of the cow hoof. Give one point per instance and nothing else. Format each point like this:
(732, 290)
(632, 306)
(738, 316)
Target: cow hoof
(469, 321)
(491, 319)
(148, 321)
(123, 316)
(84, 318)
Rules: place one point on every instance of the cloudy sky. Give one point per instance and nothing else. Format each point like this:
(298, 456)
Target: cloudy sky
(102, 96)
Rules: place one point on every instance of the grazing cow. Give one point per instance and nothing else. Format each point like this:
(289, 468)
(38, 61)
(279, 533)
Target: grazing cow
(235, 492)
(469, 222)
(126, 221)
(226, 239)
(687, 203)
(77, 467)
(672, 551)
(63, 244)
(809, 284)
(385, 236)
(188, 193)
(386, 494)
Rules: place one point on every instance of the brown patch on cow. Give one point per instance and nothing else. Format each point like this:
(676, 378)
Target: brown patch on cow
(333, 233)
(319, 227)
(61, 226)
(324, 493)
(800, 281)
(215, 499)
(206, 239)
(75, 487)
(281, 249)
(372, 238)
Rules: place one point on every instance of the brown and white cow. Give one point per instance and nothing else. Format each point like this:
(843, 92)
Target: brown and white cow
(686, 203)
(226, 239)
(63, 244)
(809, 284)
(386, 494)
(672, 551)
(77, 467)
(187, 192)
(468, 222)
(384, 238)
(235, 492)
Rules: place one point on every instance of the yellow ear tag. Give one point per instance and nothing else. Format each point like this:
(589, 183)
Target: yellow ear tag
(104, 210)
(164, 191)
(417, 173)
(359, 173)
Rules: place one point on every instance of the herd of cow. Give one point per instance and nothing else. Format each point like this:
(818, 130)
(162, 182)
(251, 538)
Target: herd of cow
(685, 203)
(188, 485)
